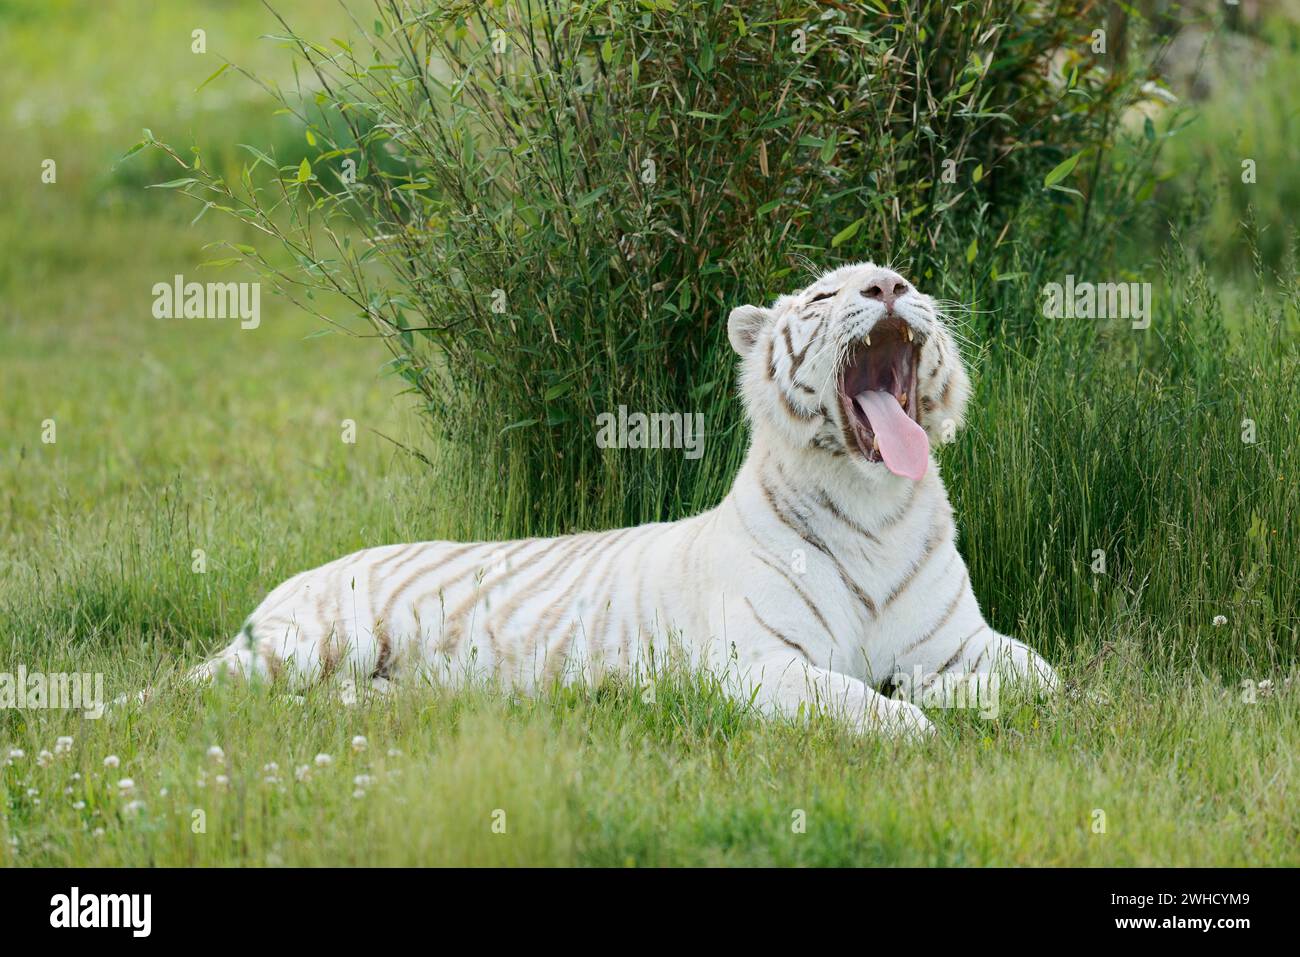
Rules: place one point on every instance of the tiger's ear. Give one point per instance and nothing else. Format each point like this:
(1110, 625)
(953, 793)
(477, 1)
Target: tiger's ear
(743, 326)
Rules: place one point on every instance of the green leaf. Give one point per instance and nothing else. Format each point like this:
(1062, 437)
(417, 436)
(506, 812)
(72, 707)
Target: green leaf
(220, 70)
(521, 424)
(1062, 170)
(847, 233)
(304, 170)
(972, 250)
(131, 152)
(261, 157)
(557, 390)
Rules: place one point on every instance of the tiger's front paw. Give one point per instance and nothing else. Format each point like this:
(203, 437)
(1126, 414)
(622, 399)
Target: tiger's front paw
(900, 719)
(1018, 664)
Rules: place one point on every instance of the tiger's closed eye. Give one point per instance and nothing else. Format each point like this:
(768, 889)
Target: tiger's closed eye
(821, 296)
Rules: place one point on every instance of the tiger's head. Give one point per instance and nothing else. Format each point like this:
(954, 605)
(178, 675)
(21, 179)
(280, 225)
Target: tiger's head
(859, 364)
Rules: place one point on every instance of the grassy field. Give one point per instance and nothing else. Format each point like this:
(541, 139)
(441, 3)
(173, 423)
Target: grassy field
(185, 435)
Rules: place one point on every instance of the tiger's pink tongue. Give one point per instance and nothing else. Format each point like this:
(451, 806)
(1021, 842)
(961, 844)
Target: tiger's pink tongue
(903, 444)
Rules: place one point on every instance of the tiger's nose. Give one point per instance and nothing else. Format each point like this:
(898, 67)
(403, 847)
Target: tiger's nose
(885, 286)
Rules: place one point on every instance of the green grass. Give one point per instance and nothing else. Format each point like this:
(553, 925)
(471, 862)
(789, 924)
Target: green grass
(1233, 127)
(173, 436)
(1184, 771)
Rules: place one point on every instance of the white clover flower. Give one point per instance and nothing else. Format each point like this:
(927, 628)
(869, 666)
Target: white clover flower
(68, 791)
(162, 792)
(302, 772)
(359, 744)
(126, 787)
(221, 780)
(270, 767)
(358, 794)
(78, 805)
(17, 754)
(1220, 621)
(394, 753)
(32, 792)
(76, 775)
(98, 832)
(323, 760)
(1265, 687)
(216, 754)
(132, 808)
(348, 693)
(363, 780)
(112, 761)
(44, 759)
(63, 745)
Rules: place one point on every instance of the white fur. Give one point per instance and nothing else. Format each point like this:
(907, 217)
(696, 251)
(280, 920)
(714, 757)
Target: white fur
(792, 588)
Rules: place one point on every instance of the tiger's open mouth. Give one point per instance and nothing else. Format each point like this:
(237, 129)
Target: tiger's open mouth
(877, 393)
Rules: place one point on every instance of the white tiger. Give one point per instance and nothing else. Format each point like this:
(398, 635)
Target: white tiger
(829, 566)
